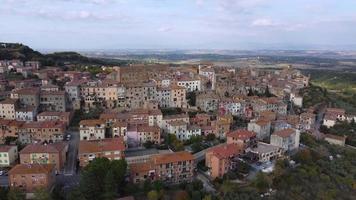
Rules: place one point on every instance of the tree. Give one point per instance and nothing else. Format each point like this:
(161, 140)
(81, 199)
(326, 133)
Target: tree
(152, 195)
(181, 195)
(92, 179)
(262, 182)
(110, 187)
(16, 194)
(119, 168)
(207, 197)
(3, 193)
(210, 137)
(76, 194)
(148, 144)
(42, 194)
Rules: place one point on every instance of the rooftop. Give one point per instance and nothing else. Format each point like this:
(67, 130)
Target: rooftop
(109, 144)
(172, 157)
(32, 169)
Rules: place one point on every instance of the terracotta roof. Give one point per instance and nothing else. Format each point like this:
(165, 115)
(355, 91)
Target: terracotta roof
(285, 132)
(109, 144)
(91, 122)
(241, 134)
(6, 148)
(146, 128)
(47, 113)
(28, 91)
(32, 169)
(172, 157)
(8, 101)
(177, 116)
(226, 150)
(44, 124)
(141, 167)
(178, 123)
(40, 148)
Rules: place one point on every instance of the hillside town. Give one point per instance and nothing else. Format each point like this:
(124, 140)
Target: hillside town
(173, 124)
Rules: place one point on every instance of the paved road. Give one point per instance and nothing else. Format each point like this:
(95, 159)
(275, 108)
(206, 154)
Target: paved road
(318, 123)
(4, 181)
(209, 187)
(70, 166)
(67, 182)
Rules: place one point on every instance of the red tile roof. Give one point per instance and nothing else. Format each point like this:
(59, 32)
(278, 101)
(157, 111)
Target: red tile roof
(172, 157)
(32, 169)
(241, 134)
(285, 132)
(40, 148)
(93, 146)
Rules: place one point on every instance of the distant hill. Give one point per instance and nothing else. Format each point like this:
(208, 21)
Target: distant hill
(22, 52)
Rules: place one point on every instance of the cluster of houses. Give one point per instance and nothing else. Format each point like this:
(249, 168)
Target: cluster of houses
(37, 112)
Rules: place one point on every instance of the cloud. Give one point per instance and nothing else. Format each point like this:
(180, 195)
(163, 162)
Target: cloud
(164, 29)
(263, 22)
(199, 2)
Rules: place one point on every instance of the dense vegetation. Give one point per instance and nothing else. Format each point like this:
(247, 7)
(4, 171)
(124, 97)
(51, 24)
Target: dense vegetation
(335, 88)
(22, 52)
(101, 179)
(322, 172)
(343, 129)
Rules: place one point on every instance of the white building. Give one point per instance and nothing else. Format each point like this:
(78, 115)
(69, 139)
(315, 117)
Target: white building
(288, 139)
(8, 155)
(26, 114)
(190, 85)
(92, 129)
(261, 127)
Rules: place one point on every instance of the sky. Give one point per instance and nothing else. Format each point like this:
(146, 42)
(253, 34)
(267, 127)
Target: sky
(179, 24)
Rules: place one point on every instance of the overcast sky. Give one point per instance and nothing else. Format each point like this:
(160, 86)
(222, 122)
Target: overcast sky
(182, 24)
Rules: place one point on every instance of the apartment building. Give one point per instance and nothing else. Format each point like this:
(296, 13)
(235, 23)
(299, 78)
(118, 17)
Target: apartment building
(8, 108)
(55, 116)
(137, 135)
(54, 153)
(27, 96)
(287, 139)
(111, 148)
(265, 152)
(171, 118)
(27, 113)
(9, 128)
(307, 121)
(42, 131)
(53, 101)
(8, 155)
(29, 177)
(261, 127)
(171, 168)
(93, 129)
(139, 93)
(242, 137)
(221, 159)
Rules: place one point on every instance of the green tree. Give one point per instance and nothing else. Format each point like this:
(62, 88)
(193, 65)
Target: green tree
(152, 195)
(110, 187)
(92, 179)
(16, 194)
(3, 193)
(262, 182)
(210, 137)
(76, 194)
(119, 168)
(42, 194)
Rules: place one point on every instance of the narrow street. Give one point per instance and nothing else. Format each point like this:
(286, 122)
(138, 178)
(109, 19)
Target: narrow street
(208, 186)
(70, 166)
